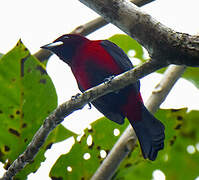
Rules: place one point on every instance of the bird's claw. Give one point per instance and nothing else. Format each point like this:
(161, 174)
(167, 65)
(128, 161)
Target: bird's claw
(75, 96)
(109, 79)
(89, 106)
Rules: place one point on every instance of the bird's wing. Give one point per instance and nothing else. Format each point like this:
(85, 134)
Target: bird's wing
(109, 106)
(119, 56)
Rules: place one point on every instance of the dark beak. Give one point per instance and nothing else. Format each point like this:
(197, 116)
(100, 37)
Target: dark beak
(52, 45)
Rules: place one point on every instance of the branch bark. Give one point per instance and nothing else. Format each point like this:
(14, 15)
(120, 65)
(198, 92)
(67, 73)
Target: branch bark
(86, 29)
(127, 141)
(162, 43)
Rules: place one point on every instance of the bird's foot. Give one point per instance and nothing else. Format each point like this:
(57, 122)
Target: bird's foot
(75, 96)
(109, 79)
(89, 106)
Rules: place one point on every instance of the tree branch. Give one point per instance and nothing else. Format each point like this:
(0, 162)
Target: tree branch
(86, 29)
(127, 141)
(162, 43)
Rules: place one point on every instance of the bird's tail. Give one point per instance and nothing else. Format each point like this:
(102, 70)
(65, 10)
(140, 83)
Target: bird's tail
(150, 133)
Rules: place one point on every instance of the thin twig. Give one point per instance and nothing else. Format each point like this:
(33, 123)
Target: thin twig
(127, 141)
(84, 30)
(162, 89)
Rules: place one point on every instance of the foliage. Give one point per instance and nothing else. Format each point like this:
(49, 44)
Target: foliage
(27, 96)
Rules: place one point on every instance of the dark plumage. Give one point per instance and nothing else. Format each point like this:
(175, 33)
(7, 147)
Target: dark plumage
(91, 63)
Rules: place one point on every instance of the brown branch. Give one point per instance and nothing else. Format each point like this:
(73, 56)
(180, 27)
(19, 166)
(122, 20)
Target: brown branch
(162, 43)
(90, 27)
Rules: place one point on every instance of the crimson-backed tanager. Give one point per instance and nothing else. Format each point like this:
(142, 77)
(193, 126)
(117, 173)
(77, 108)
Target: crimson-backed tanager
(91, 63)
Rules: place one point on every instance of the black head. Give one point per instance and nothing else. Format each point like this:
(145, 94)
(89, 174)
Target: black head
(65, 46)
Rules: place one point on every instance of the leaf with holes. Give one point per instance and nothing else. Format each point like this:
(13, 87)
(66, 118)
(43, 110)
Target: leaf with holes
(87, 154)
(27, 97)
(181, 130)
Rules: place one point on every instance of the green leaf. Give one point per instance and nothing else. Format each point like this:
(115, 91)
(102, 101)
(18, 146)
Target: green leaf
(102, 140)
(27, 97)
(127, 43)
(176, 163)
(192, 75)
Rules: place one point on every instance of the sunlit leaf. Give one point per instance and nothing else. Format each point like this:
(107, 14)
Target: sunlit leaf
(27, 97)
(192, 75)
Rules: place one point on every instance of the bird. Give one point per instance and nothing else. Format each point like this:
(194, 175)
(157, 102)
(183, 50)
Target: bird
(92, 62)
